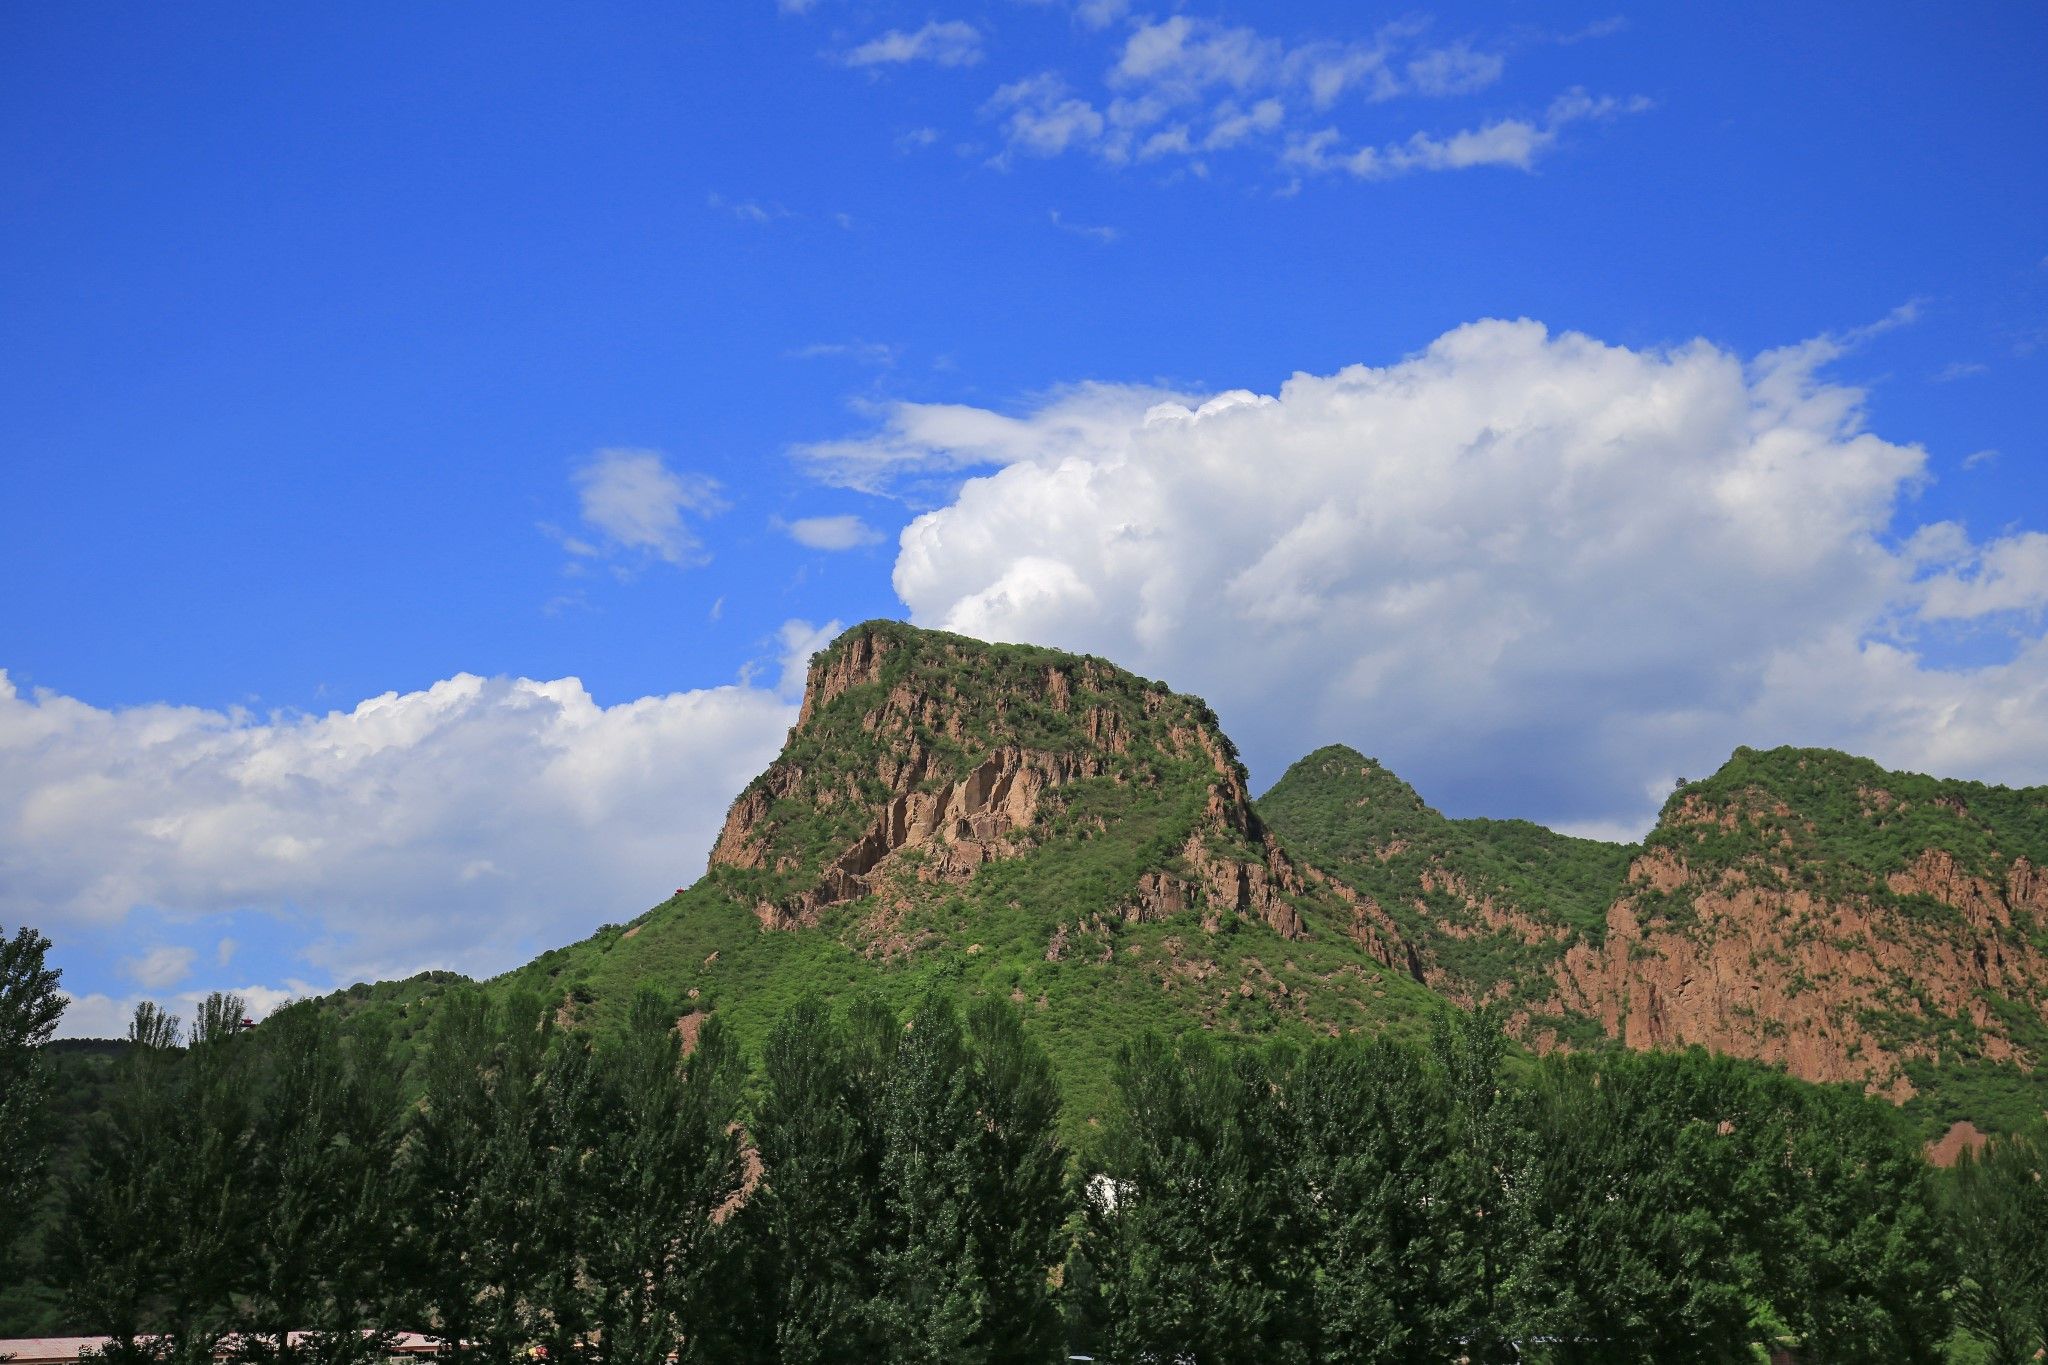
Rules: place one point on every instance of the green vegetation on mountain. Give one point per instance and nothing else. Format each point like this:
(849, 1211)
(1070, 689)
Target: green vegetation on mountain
(1915, 908)
(1050, 920)
(1488, 905)
(896, 1187)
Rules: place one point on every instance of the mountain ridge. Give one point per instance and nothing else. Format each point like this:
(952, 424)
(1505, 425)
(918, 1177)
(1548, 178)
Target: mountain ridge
(1022, 822)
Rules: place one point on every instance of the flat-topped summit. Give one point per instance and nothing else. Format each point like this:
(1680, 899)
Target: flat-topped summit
(921, 757)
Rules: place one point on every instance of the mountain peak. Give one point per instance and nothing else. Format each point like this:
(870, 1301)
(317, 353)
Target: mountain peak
(920, 757)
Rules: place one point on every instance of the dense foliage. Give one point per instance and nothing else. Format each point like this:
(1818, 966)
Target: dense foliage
(29, 1009)
(1367, 1201)
(897, 1188)
(1351, 816)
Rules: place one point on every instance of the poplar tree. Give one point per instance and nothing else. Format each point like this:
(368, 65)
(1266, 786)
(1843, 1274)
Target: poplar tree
(814, 1228)
(29, 1009)
(110, 1251)
(1856, 1259)
(1018, 1169)
(1995, 1212)
(1191, 1225)
(664, 1163)
(1485, 1175)
(321, 1219)
(444, 1172)
(1371, 1168)
(208, 1192)
(1634, 1246)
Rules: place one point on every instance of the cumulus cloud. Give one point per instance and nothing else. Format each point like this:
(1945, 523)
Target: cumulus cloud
(632, 502)
(800, 640)
(98, 1015)
(951, 42)
(1539, 574)
(846, 532)
(2009, 574)
(466, 826)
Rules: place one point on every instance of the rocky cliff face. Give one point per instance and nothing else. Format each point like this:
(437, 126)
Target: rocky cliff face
(1801, 908)
(922, 758)
(1809, 910)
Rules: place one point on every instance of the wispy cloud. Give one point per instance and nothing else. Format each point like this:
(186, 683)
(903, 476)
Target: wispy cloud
(845, 532)
(880, 354)
(1187, 88)
(633, 504)
(1960, 369)
(951, 42)
(747, 210)
(1103, 234)
(1511, 142)
(160, 967)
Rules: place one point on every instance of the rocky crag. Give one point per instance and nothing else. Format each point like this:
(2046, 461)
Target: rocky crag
(1015, 821)
(1008, 820)
(1801, 908)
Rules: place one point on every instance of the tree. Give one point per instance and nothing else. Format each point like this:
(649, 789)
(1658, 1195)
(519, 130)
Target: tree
(443, 1171)
(208, 1196)
(1857, 1265)
(110, 1252)
(1019, 1195)
(813, 1230)
(29, 1009)
(1486, 1171)
(1192, 1226)
(321, 1213)
(1634, 1247)
(1371, 1166)
(931, 1300)
(663, 1164)
(1995, 1212)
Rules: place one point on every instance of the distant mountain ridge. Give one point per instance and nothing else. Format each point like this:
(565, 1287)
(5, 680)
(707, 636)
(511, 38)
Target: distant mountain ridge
(1018, 821)
(1801, 907)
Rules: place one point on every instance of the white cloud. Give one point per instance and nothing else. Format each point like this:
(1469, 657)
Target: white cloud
(466, 826)
(1454, 70)
(1505, 142)
(951, 42)
(103, 1016)
(799, 641)
(1095, 232)
(925, 437)
(1042, 117)
(635, 503)
(1540, 575)
(2006, 575)
(748, 210)
(880, 354)
(845, 532)
(159, 967)
(1176, 76)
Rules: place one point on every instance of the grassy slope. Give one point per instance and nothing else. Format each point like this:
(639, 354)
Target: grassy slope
(1094, 839)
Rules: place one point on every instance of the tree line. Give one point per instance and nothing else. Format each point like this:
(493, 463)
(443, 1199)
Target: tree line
(882, 1188)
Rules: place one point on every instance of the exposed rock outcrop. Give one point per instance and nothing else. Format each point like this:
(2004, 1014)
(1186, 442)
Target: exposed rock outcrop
(956, 776)
(1762, 965)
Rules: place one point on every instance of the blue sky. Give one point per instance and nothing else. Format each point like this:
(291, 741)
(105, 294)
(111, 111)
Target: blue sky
(377, 349)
